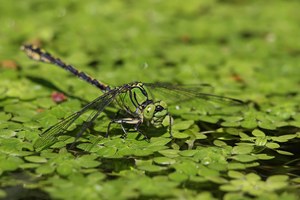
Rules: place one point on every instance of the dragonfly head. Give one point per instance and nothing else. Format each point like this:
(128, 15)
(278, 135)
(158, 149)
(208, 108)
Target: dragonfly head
(157, 114)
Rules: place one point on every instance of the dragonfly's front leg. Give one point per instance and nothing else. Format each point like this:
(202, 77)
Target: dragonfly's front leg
(133, 121)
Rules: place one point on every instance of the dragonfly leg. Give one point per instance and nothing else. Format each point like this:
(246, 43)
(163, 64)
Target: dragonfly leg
(125, 132)
(136, 128)
(108, 127)
(118, 121)
(170, 125)
(134, 121)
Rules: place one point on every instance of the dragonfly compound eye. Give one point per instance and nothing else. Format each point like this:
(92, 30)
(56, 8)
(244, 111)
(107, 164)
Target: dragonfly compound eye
(163, 104)
(158, 108)
(160, 115)
(149, 111)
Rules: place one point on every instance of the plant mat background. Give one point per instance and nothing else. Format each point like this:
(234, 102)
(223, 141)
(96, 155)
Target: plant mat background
(244, 49)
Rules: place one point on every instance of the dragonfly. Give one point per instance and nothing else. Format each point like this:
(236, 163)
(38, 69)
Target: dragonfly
(140, 103)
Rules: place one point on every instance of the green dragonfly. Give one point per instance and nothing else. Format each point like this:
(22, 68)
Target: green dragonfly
(140, 103)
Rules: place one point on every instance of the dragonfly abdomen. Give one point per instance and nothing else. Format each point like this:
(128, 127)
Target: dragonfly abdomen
(38, 54)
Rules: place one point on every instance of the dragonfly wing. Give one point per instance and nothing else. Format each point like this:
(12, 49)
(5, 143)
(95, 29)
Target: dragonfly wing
(194, 95)
(49, 136)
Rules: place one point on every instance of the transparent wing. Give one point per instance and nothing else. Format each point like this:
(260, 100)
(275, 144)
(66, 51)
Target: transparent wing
(49, 136)
(193, 96)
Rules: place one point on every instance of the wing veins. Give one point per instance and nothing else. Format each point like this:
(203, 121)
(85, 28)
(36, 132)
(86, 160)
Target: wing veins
(49, 136)
(187, 93)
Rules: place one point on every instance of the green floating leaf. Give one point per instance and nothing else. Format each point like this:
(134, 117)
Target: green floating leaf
(219, 143)
(239, 166)
(88, 161)
(159, 141)
(107, 151)
(65, 168)
(207, 172)
(188, 153)
(36, 159)
(231, 195)
(6, 133)
(46, 102)
(182, 125)
(142, 152)
(284, 138)
(198, 179)
(48, 120)
(5, 116)
(209, 119)
(235, 174)
(244, 158)
(211, 155)
(236, 166)
(295, 123)
(57, 145)
(177, 176)
(186, 167)
(276, 182)
(48, 154)
(296, 180)
(2, 194)
(96, 177)
(249, 183)
(218, 166)
(113, 141)
(252, 177)
(126, 151)
(171, 153)
(230, 124)
(12, 125)
(216, 179)
(249, 123)
(284, 153)
(272, 145)
(152, 187)
(180, 135)
(229, 188)
(45, 169)
(164, 160)
(261, 141)
(231, 131)
(267, 125)
(151, 168)
(264, 156)
(258, 133)
(277, 178)
(242, 149)
(10, 163)
(245, 137)
(200, 136)
(11, 145)
(29, 165)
